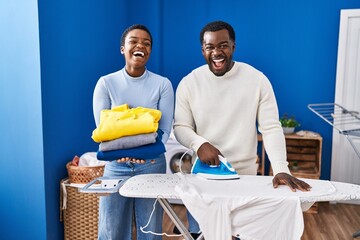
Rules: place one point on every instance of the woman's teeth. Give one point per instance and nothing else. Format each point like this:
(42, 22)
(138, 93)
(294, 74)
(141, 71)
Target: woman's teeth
(138, 54)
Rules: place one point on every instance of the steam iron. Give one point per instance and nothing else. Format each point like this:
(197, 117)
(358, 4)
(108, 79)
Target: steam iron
(224, 171)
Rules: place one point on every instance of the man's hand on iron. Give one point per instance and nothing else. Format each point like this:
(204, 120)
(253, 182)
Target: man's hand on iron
(292, 182)
(209, 154)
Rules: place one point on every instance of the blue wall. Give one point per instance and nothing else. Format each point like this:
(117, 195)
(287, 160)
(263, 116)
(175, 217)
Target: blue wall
(293, 43)
(22, 199)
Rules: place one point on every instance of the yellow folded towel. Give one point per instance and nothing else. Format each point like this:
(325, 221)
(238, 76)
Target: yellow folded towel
(124, 121)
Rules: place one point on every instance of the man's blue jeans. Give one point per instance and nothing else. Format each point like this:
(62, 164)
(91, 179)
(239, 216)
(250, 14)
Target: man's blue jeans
(116, 212)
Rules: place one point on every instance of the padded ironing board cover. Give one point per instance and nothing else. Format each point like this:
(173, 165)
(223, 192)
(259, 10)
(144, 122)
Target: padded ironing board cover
(163, 186)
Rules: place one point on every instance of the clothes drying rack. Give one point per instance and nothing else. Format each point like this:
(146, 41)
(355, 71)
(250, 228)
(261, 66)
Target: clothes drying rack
(346, 122)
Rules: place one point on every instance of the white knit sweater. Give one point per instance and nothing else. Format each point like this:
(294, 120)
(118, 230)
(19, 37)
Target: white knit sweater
(225, 112)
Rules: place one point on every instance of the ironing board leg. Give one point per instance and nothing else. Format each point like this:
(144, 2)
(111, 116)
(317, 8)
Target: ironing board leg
(201, 237)
(174, 218)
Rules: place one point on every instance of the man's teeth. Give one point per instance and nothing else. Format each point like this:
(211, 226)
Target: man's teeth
(218, 60)
(139, 54)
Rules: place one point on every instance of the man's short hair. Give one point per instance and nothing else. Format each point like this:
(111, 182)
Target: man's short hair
(216, 26)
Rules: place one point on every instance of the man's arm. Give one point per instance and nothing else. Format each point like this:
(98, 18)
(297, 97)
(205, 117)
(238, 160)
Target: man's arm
(274, 140)
(184, 124)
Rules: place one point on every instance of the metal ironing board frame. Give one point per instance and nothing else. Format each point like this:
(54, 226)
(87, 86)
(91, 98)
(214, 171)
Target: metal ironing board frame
(341, 119)
(112, 185)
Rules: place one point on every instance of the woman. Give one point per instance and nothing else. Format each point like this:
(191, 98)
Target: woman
(138, 87)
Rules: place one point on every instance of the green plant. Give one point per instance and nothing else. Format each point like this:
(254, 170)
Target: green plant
(295, 165)
(290, 122)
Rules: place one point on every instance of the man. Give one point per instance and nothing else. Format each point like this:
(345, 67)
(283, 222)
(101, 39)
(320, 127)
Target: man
(219, 105)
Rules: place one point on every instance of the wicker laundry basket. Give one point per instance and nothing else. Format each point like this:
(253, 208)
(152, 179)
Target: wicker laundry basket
(83, 174)
(79, 212)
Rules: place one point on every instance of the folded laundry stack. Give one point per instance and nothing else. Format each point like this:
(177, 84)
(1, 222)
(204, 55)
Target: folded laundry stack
(129, 132)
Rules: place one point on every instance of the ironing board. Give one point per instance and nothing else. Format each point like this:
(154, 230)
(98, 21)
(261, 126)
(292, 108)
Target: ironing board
(162, 188)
